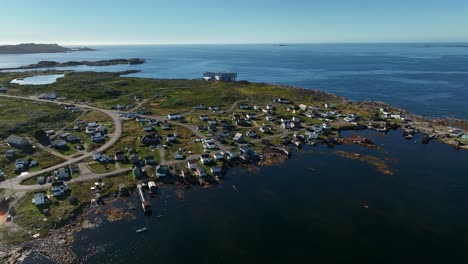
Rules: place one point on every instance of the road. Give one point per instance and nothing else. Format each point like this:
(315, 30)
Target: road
(16, 186)
(16, 182)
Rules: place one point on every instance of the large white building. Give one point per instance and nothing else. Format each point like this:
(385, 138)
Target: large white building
(220, 76)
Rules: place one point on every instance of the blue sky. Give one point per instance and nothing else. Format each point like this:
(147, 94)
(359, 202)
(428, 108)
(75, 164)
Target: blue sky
(233, 21)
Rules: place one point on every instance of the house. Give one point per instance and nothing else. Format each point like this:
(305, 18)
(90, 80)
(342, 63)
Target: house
(50, 132)
(161, 171)
(326, 115)
(17, 141)
(137, 173)
(310, 114)
(286, 123)
(218, 156)
(148, 129)
(456, 132)
(3, 89)
(303, 107)
(243, 122)
(270, 118)
(317, 128)
(191, 165)
(62, 174)
(212, 122)
(153, 122)
(312, 135)
(238, 138)
(266, 129)
(215, 170)
(350, 118)
(149, 160)
(326, 126)
(205, 159)
(200, 172)
(59, 188)
(270, 107)
(199, 107)
(134, 158)
(209, 144)
(178, 156)
(283, 101)
(170, 138)
(245, 150)
(251, 134)
(243, 106)
(100, 129)
(150, 139)
(220, 76)
(296, 119)
(73, 138)
(231, 155)
(225, 123)
(97, 156)
(165, 126)
(204, 118)
(119, 156)
(11, 153)
(98, 137)
(59, 143)
(257, 107)
(21, 165)
(329, 106)
(48, 96)
(40, 198)
(250, 116)
(214, 108)
(174, 116)
(41, 180)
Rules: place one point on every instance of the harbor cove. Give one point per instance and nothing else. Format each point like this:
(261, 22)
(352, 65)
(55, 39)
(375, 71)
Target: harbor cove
(316, 206)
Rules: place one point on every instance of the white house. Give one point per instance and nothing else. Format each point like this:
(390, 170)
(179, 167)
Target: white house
(270, 118)
(170, 138)
(303, 107)
(174, 116)
(218, 156)
(215, 170)
(250, 116)
(329, 106)
(270, 107)
(312, 135)
(238, 138)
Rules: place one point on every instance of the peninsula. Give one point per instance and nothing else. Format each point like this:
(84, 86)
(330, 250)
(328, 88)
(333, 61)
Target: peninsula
(29, 48)
(55, 64)
(73, 141)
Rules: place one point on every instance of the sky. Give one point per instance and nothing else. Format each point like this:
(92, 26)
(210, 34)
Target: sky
(232, 21)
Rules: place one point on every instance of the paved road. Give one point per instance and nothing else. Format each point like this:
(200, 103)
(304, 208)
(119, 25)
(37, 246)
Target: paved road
(15, 183)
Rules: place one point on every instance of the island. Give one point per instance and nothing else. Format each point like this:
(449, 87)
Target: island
(93, 136)
(55, 64)
(29, 48)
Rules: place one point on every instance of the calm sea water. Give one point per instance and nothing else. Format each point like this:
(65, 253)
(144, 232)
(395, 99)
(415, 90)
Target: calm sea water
(427, 79)
(307, 210)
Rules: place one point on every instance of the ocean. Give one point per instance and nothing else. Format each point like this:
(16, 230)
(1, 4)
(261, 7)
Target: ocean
(427, 79)
(310, 209)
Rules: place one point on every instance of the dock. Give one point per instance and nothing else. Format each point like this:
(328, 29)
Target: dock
(145, 204)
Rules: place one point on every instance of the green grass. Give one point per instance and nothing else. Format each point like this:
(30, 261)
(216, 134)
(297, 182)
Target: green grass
(24, 117)
(98, 167)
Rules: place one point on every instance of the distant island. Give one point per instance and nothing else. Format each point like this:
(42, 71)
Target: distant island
(29, 48)
(55, 64)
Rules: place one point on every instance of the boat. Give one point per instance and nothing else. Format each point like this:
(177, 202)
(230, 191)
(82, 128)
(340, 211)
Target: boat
(143, 229)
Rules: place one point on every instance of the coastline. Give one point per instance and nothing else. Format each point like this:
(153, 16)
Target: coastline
(424, 125)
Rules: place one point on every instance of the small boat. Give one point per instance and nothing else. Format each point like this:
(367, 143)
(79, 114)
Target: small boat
(159, 216)
(143, 229)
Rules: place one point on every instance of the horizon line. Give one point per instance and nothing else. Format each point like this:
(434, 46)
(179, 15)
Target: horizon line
(231, 43)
